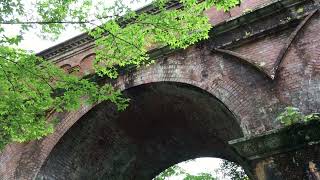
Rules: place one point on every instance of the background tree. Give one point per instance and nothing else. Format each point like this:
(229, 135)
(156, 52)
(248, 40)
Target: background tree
(176, 170)
(31, 88)
(227, 170)
(233, 171)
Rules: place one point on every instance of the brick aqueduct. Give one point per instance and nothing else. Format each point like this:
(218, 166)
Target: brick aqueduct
(218, 98)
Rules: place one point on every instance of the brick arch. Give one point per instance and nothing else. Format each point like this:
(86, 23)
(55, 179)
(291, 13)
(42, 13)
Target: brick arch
(253, 99)
(66, 67)
(96, 114)
(86, 64)
(223, 88)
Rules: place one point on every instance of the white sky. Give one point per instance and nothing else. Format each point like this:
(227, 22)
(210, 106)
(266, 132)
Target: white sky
(33, 43)
(202, 165)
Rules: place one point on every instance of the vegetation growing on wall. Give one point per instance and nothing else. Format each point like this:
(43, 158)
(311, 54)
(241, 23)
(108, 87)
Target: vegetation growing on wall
(292, 115)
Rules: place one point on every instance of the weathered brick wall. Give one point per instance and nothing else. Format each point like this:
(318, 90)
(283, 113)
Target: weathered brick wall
(250, 94)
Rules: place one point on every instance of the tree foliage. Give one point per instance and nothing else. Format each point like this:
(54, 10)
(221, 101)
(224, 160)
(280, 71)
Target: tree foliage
(176, 170)
(31, 88)
(227, 170)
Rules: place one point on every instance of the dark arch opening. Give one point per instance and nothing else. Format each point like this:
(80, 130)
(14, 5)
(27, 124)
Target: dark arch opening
(166, 123)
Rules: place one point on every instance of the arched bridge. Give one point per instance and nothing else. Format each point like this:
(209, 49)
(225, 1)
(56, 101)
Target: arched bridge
(217, 98)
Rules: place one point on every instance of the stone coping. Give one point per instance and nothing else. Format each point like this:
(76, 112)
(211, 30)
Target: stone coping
(277, 141)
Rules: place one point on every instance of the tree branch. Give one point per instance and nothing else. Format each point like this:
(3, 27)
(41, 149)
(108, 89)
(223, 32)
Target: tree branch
(43, 79)
(7, 77)
(59, 22)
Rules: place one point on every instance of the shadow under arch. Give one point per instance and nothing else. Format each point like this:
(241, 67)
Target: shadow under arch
(166, 123)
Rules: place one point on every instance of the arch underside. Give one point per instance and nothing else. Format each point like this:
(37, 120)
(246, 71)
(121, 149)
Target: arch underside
(166, 123)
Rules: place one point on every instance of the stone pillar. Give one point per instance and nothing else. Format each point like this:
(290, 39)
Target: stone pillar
(290, 153)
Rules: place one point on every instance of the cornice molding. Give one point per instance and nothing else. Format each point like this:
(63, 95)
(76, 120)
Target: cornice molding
(219, 38)
(84, 39)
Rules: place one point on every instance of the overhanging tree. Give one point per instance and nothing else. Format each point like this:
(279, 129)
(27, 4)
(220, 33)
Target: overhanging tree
(31, 88)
